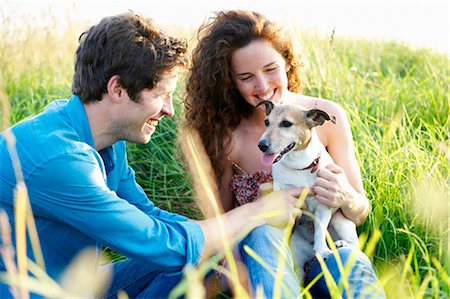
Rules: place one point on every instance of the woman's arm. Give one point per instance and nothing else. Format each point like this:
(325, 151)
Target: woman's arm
(340, 184)
(226, 196)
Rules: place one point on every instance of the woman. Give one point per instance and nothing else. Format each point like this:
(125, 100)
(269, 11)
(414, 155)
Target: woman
(241, 59)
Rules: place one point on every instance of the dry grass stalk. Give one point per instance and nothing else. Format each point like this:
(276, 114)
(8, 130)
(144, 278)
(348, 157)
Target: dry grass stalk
(207, 196)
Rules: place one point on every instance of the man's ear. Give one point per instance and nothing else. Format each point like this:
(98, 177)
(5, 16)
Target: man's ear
(114, 88)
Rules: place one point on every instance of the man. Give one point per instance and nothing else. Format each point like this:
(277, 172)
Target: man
(84, 195)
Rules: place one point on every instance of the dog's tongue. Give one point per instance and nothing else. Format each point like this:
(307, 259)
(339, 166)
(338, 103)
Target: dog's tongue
(268, 159)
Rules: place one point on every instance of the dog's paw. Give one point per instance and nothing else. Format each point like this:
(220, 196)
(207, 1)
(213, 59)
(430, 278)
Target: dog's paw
(324, 253)
(301, 274)
(341, 243)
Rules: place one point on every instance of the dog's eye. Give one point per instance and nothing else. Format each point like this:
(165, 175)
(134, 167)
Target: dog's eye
(285, 124)
(266, 122)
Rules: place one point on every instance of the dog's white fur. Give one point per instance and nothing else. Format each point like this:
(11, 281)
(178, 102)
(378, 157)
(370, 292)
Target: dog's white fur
(289, 171)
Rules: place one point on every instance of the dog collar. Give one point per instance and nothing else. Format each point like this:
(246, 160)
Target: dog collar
(313, 166)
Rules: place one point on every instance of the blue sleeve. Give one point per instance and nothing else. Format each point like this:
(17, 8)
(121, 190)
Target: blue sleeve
(130, 190)
(73, 190)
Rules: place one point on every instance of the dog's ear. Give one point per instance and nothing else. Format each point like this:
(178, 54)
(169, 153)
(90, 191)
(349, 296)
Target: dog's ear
(317, 117)
(269, 106)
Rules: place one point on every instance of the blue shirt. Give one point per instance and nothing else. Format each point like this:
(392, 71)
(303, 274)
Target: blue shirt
(83, 198)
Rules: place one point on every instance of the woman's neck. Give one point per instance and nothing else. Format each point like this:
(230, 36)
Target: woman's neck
(257, 118)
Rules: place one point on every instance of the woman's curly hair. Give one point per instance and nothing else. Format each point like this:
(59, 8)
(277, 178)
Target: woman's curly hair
(213, 104)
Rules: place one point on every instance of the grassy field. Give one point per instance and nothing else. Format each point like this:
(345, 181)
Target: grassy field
(397, 99)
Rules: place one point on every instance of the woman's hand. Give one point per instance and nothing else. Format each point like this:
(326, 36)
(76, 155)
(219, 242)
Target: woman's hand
(332, 187)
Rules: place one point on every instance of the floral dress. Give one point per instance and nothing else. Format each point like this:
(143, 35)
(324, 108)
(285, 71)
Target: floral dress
(245, 186)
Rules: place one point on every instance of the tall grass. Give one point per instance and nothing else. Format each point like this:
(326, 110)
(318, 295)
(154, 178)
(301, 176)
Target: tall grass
(397, 100)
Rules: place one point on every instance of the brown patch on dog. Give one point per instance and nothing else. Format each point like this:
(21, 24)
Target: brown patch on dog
(286, 124)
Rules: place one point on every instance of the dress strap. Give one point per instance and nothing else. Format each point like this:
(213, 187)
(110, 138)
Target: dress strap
(235, 165)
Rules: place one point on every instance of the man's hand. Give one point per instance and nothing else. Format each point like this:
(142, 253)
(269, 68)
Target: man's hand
(265, 188)
(278, 208)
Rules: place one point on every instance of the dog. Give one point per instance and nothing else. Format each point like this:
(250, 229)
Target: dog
(291, 145)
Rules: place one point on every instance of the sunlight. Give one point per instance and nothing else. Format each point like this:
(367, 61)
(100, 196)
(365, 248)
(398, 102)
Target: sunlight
(419, 23)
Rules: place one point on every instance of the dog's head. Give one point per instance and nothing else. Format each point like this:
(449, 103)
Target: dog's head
(288, 127)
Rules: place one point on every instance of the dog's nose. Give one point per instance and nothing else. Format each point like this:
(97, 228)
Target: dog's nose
(263, 146)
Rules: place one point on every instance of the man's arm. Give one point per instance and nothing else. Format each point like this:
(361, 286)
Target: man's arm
(71, 190)
(276, 209)
(129, 189)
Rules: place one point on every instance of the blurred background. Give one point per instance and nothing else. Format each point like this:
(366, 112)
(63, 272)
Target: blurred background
(419, 23)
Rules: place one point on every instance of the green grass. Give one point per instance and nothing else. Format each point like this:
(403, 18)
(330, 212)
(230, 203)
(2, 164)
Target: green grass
(397, 100)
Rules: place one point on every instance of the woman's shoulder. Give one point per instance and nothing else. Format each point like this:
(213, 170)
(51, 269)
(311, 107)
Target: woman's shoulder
(330, 107)
(328, 131)
(310, 102)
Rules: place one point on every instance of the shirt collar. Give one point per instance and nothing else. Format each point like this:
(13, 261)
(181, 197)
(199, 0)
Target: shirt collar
(78, 118)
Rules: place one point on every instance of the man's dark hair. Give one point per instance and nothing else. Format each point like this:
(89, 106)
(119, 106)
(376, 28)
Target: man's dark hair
(127, 45)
